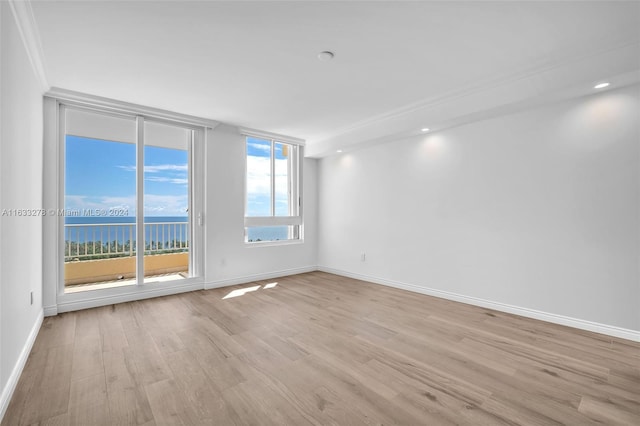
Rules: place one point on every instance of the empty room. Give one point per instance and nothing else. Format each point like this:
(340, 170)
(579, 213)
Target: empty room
(350, 212)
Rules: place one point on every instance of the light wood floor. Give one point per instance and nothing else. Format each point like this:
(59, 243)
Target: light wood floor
(321, 349)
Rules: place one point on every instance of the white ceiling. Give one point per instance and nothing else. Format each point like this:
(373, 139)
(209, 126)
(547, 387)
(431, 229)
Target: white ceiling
(398, 66)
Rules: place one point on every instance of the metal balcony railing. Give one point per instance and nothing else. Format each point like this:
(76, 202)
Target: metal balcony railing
(109, 240)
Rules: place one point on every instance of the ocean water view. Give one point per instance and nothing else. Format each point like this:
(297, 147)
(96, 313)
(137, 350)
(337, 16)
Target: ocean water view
(267, 233)
(160, 231)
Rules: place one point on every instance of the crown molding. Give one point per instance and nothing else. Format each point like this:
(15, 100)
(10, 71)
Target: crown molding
(487, 85)
(268, 135)
(537, 86)
(28, 29)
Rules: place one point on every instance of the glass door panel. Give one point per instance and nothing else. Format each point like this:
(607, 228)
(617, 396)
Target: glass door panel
(167, 200)
(99, 200)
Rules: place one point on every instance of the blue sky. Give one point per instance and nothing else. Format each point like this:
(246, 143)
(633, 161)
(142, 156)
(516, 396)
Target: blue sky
(101, 175)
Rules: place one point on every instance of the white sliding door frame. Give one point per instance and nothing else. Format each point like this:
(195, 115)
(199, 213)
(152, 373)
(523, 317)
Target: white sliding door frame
(140, 237)
(56, 300)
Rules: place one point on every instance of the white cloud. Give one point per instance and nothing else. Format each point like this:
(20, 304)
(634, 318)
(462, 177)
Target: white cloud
(258, 175)
(165, 168)
(178, 181)
(261, 147)
(259, 172)
(259, 185)
(84, 203)
(79, 202)
(158, 168)
(167, 173)
(124, 201)
(165, 205)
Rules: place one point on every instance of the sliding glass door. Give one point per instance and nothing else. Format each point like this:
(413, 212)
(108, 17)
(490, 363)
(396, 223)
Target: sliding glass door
(128, 200)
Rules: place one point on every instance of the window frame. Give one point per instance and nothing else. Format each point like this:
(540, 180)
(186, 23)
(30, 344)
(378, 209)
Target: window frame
(295, 173)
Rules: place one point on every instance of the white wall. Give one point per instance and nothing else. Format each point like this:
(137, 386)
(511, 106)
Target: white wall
(228, 258)
(20, 188)
(2, 382)
(536, 210)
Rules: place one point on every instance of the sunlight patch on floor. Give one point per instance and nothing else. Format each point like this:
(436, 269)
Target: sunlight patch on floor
(242, 291)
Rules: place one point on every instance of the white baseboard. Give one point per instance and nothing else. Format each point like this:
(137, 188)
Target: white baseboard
(50, 311)
(609, 330)
(258, 277)
(10, 387)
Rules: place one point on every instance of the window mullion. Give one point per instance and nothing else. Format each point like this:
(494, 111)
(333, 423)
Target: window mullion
(273, 178)
(140, 243)
(289, 181)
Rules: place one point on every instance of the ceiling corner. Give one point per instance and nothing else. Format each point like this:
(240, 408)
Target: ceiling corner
(28, 28)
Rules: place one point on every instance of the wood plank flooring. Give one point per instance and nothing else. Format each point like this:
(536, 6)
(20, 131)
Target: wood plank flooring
(323, 350)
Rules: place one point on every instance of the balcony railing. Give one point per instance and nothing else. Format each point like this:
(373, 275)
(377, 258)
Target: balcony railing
(110, 240)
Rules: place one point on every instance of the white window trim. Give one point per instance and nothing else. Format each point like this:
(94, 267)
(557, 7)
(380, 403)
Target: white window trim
(296, 188)
(272, 220)
(69, 97)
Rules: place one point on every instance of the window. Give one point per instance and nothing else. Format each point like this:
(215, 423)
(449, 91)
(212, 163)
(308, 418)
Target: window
(273, 204)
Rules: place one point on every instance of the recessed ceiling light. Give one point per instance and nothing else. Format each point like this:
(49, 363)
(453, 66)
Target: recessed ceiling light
(601, 85)
(325, 56)
(425, 129)
(339, 150)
